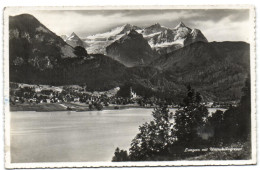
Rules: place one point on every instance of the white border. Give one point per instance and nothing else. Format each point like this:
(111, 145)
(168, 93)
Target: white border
(135, 164)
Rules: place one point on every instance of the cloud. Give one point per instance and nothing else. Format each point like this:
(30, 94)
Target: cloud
(216, 24)
(224, 31)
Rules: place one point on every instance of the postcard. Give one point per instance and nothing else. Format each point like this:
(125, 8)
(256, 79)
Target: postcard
(123, 86)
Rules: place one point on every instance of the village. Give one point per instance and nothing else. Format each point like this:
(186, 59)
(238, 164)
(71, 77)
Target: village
(75, 97)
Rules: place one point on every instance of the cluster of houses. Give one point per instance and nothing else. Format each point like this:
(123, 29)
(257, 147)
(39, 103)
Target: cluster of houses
(34, 93)
(26, 93)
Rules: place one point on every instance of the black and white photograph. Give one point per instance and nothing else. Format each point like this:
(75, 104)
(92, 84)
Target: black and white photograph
(129, 86)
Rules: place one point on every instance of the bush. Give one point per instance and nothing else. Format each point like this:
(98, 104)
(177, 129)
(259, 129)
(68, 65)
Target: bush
(90, 106)
(99, 106)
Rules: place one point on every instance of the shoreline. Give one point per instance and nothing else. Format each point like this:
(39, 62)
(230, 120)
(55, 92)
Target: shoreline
(77, 107)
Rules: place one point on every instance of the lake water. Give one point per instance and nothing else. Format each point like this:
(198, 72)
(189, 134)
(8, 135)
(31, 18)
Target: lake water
(74, 136)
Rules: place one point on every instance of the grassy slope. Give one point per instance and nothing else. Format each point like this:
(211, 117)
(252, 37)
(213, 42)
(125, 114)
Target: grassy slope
(47, 107)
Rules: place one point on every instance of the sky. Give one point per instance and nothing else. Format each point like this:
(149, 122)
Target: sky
(215, 24)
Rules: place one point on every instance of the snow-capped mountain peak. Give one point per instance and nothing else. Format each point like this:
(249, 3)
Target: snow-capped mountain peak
(156, 25)
(165, 40)
(73, 34)
(74, 37)
(113, 32)
(128, 27)
(98, 42)
(181, 24)
(133, 32)
(155, 28)
(74, 40)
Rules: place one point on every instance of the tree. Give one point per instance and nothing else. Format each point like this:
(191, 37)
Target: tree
(235, 122)
(244, 107)
(80, 51)
(216, 121)
(120, 155)
(190, 118)
(99, 106)
(90, 106)
(124, 90)
(154, 137)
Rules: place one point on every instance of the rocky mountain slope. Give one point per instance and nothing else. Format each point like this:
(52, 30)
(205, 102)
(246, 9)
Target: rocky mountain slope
(97, 43)
(165, 40)
(131, 50)
(74, 40)
(31, 43)
(218, 68)
(38, 56)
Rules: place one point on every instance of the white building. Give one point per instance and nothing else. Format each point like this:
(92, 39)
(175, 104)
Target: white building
(132, 94)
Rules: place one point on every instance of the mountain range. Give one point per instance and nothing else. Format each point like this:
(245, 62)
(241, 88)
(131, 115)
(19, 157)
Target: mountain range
(160, 38)
(128, 55)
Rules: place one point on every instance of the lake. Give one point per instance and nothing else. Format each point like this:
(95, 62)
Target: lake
(74, 136)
